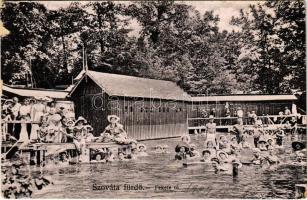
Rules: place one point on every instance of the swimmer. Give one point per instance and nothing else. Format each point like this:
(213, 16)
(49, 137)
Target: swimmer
(272, 158)
(244, 143)
(186, 139)
(224, 164)
(262, 145)
(134, 154)
(206, 156)
(279, 136)
(210, 145)
(299, 159)
(234, 146)
(193, 153)
(182, 154)
(257, 159)
(109, 155)
(165, 148)
(224, 144)
(158, 149)
(121, 156)
(142, 150)
(270, 144)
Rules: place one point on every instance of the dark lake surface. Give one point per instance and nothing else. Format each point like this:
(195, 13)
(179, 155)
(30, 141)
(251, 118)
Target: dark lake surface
(80, 181)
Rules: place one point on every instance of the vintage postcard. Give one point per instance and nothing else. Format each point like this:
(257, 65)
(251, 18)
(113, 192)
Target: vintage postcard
(153, 99)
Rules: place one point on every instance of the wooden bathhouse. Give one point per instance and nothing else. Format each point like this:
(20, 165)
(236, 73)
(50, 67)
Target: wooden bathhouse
(147, 108)
(261, 104)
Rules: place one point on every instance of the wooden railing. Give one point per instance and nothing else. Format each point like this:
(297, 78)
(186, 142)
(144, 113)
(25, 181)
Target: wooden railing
(194, 123)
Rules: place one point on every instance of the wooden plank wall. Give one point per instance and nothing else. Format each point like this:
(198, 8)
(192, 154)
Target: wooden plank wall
(149, 119)
(91, 103)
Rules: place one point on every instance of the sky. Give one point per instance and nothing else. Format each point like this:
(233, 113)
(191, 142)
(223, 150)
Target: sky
(225, 9)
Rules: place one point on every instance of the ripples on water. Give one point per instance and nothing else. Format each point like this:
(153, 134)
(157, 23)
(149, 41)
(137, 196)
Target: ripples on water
(76, 181)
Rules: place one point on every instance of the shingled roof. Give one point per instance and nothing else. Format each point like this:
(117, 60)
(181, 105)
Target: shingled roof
(131, 86)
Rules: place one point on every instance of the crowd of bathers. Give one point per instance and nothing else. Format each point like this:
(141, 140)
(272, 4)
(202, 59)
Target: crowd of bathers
(223, 150)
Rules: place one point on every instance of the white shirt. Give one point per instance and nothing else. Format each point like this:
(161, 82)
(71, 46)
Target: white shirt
(25, 110)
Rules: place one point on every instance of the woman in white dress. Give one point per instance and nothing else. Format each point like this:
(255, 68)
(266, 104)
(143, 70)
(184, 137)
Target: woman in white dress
(55, 126)
(37, 112)
(24, 112)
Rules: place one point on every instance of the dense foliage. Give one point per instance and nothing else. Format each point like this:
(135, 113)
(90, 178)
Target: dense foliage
(266, 54)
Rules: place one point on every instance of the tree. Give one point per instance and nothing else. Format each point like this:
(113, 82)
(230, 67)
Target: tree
(272, 45)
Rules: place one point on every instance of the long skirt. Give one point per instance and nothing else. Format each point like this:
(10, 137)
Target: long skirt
(23, 137)
(35, 127)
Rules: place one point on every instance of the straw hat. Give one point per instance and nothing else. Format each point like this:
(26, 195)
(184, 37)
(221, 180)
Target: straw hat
(206, 150)
(113, 116)
(211, 117)
(221, 152)
(8, 101)
(89, 127)
(81, 119)
(142, 145)
(262, 140)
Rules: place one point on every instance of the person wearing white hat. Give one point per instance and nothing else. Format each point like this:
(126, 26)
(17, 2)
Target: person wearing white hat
(55, 126)
(116, 130)
(89, 137)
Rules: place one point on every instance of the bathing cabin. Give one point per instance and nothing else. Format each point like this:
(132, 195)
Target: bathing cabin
(148, 108)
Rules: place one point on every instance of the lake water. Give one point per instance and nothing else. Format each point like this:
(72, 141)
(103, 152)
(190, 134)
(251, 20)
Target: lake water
(77, 181)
